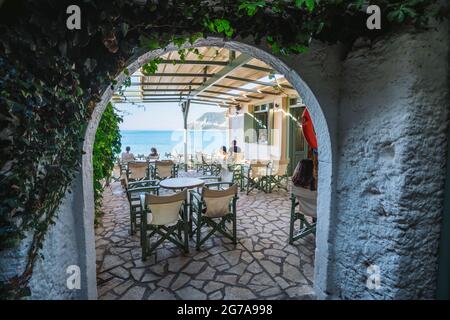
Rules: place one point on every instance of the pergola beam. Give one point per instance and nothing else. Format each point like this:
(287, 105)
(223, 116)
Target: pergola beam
(247, 90)
(258, 68)
(193, 75)
(196, 62)
(165, 90)
(232, 94)
(261, 83)
(222, 73)
(166, 83)
(215, 63)
(211, 103)
(174, 99)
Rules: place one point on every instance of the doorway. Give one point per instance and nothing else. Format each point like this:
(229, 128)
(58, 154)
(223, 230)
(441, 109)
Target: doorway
(297, 147)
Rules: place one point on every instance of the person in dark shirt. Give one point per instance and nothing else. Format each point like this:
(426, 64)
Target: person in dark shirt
(234, 148)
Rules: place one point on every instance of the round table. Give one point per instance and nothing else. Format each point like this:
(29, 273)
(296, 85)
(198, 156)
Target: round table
(181, 183)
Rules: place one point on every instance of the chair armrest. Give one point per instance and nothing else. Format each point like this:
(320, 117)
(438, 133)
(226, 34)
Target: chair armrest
(219, 184)
(210, 177)
(143, 189)
(141, 183)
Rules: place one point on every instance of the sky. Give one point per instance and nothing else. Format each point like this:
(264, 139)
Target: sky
(168, 116)
(159, 116)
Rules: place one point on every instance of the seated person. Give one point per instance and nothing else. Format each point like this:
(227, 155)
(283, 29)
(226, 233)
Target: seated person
(234, 148)
(305, 186)
(222, 154)
(223, 151)
(303, 176)
(304, 195)
(153, 154)
(127, 156)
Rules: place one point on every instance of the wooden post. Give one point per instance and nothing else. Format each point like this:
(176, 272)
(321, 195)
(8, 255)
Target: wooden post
(185, 108)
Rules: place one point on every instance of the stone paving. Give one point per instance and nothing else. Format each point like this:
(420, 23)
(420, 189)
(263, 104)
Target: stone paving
(261, 266)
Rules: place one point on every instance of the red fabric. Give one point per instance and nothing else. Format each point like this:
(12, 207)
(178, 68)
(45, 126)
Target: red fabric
(308, 130)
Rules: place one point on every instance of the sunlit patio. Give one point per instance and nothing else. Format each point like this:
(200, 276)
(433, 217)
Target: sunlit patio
(263, 265)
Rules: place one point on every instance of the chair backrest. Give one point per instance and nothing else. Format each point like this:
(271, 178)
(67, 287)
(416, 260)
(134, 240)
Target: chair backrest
(124, 181)
(280, 167)
(218, 201)
(164, 168)
(164, 209)
(137, 170)
(307, 200)
(258, 169)
(116, 170)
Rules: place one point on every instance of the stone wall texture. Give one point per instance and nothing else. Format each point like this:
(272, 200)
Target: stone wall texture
(391, 166)
(384, 110)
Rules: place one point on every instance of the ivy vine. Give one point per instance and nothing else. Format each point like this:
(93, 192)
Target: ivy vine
(53, 77)
(107, 146)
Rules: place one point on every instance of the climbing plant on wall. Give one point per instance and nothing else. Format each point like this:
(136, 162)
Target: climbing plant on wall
(52, 78)
(107, 146)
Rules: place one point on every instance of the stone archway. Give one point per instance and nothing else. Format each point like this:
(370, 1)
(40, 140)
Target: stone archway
(322, 273)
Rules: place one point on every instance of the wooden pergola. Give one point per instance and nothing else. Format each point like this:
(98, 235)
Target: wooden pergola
(213, 76)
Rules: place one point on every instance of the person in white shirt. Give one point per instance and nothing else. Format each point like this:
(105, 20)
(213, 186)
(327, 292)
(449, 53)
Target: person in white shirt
(127, 156)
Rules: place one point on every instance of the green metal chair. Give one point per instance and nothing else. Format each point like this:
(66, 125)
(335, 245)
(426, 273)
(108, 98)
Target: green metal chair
(133, 191)
(198, 161)
(214, 208)
(278, 177)
(237, 174)
(137, 171)
(116, 174)
(257, 177)
(306, 202)
(165, 216)
(209, 167)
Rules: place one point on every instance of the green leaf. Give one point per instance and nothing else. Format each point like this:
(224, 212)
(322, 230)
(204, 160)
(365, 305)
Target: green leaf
(125, 27)
(251, 7)
(310, 4)
(151, 44)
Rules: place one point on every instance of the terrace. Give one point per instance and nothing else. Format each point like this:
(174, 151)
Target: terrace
(260, 109)
(263, 265)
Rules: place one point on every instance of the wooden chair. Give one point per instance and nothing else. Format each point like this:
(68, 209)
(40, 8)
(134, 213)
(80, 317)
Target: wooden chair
(214, 207)
(257, 176)
(306, 201)
(237, 174)
(237, 157)
(116, 172)
(278, 177)
(133, 191)
(198, 160)
(137, 171)
(165, 169)
(165, 216)
(210, 167)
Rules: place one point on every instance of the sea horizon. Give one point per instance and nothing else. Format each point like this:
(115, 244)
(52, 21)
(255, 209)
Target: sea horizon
(172, 141)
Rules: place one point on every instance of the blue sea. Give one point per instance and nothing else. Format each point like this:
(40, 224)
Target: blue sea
(208, 141)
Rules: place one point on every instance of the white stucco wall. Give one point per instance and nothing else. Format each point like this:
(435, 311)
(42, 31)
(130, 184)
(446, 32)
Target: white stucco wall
(391, 166)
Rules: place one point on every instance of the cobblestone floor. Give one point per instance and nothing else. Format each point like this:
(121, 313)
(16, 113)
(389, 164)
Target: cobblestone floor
(261, 266)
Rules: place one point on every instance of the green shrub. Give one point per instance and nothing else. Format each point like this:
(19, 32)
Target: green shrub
(106, 148)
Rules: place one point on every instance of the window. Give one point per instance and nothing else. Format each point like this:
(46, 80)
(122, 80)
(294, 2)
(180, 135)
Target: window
(259, 124)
